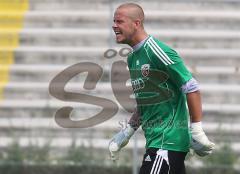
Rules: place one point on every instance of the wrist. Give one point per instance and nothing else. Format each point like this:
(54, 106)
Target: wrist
(196, 126)
(129, 131)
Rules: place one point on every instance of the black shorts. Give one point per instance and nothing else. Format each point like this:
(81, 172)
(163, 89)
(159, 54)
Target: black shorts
(158, 161)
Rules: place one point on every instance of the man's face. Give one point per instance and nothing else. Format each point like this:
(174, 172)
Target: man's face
(123, 27)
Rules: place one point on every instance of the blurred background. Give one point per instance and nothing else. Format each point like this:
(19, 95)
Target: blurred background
(40, 38)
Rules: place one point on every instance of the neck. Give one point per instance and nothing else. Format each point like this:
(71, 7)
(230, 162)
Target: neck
(139, 36)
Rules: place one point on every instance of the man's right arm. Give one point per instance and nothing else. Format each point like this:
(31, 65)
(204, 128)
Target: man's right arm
(135, 120)
(121, 139)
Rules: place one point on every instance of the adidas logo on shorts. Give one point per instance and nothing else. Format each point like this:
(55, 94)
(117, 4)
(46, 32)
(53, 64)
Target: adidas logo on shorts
(148, 158)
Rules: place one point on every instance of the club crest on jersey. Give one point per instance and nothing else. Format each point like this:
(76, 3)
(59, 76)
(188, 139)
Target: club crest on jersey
(145, 70)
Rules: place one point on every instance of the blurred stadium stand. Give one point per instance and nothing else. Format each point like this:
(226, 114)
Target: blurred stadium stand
(60, 33)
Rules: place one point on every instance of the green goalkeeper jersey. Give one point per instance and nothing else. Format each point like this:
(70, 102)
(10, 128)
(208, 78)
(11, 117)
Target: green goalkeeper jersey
(157, 74)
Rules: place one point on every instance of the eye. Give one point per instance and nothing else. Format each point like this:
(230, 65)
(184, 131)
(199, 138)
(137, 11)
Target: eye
(118, 21)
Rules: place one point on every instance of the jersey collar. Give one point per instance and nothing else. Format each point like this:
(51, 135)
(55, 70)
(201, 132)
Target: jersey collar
(140, 44)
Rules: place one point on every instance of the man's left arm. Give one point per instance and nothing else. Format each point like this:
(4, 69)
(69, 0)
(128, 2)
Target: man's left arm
(180, 75)
(199, 141)
(194, 106)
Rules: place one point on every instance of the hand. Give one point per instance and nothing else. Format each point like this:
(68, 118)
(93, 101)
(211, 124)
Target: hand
(120, 140)
(199, 142)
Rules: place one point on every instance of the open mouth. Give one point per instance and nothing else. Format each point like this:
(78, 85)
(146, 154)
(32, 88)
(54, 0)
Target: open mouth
(118, 33)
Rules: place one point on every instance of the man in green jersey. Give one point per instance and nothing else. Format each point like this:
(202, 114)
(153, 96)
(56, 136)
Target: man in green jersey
(162, 86)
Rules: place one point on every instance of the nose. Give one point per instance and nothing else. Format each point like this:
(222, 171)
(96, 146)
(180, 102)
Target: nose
(114, 25)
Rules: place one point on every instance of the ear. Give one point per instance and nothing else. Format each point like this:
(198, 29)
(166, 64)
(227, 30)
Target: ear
(137, 23)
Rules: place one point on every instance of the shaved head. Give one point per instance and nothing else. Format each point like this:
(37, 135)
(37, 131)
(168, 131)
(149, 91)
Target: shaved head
(133, 11)
(128, 24)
